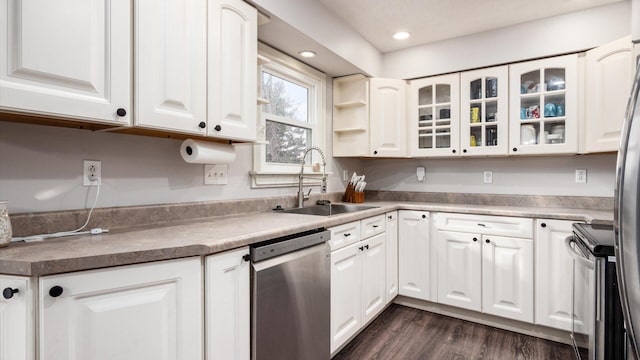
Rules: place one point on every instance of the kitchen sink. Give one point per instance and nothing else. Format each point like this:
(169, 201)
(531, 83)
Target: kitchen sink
(328, 210)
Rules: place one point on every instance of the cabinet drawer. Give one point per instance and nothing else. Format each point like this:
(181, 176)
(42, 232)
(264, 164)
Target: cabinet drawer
(483, 224)
(345, 234)
(372, 226)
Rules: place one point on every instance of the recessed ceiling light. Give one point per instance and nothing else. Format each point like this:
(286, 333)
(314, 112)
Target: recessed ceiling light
(401, 35)
(307, 53)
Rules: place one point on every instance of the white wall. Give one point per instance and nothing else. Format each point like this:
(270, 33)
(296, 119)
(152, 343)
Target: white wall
(552, 175)
(41, 167)
(556, 35)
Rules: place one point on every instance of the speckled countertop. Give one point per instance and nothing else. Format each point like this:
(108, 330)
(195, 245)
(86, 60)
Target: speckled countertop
(211, 235)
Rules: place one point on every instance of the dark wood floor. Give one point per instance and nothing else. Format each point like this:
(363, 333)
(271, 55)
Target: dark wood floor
(409, 334)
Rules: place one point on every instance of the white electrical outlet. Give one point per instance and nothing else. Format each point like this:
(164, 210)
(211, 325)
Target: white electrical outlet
(215, 174)
(91, 172)
(581, 176)
(488, 177)
(345, 175)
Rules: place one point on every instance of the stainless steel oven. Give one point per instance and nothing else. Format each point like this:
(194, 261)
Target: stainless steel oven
(591, 246)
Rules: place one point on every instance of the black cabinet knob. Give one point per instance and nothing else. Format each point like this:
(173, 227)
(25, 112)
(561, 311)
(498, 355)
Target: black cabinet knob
(7, 293)
(515, 149)
(390, 217)
(454, 151)
(347, 234)
(217, 128)
(55, 291)
(375, 226)
(544, 225)
(202, 125)
(375, 152)
(361, 248)
(246, 257)
(366, 247)
(488, 241)
(464, 151)
(424, 216)
(121, 112)
(475, 239)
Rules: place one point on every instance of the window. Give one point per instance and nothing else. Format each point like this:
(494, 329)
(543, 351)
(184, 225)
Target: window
(290, 120)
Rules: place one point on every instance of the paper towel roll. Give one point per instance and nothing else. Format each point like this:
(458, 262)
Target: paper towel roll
(204, 152)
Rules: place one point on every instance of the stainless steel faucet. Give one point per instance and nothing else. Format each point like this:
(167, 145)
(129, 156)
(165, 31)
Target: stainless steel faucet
(301, 195)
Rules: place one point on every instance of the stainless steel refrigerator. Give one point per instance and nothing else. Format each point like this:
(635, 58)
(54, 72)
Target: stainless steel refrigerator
(627, 218)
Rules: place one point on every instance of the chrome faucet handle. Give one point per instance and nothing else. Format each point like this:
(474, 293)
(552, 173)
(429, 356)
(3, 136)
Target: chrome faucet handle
(306, 196)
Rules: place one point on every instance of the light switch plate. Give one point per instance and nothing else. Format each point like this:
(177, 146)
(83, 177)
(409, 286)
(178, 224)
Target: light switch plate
(215, 174)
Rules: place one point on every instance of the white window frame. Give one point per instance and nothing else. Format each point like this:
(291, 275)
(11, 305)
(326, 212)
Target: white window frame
(266, 174)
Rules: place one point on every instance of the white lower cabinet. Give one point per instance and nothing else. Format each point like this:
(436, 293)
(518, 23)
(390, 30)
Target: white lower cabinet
(481, 271)
(392, 256)
(507, 277)
(414, 254)
(144, 312)
(554, 267)
(227, 306)
(459, 269)
(16, 318)
(357, 287)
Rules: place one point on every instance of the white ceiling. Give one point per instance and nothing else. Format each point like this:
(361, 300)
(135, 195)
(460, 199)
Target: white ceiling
(435, 20)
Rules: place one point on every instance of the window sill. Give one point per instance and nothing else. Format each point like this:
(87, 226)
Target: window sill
(266, 179)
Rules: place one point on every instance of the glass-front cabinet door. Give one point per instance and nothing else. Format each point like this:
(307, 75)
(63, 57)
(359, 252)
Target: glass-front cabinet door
(544, 109)
(434, 116)
(483, 111)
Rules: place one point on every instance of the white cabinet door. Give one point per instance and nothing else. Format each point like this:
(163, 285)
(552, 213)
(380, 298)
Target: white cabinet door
(484, 118)
(346, 294)
(16, 318)
(232, 81)
(434, 116)
(459, 269)
(392, 256)
(373, 276)
(145, 312)
(507, 277)
(70, 58)
(554, 267)
(227, 308)
(609, 77)
(543, 106)
(387, 119)
(171, 65)
(414, 254)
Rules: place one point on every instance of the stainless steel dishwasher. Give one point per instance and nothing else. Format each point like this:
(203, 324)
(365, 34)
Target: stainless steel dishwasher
(290, 298)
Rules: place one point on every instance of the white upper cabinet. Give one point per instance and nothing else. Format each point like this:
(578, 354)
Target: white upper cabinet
(484, 111)
(17, 318)
(387, 121)
(232, 81)
(609, 76)
(434, 118)
(68, 58)
(543, 115)
(171, 65)
(351, 116)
